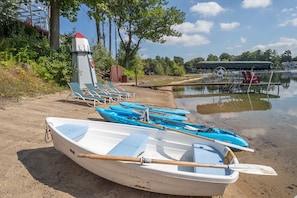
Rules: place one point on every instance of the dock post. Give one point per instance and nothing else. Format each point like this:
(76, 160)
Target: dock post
(269, 81)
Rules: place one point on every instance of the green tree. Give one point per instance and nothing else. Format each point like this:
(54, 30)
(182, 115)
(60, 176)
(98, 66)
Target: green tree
(136, 65)
(177, 70)
(267, 55)
(59, 8)
(102, 59)
(137, 20)
(275, 58)
(122, 55)
(212, 57)
(99, 11)
(286, 56)
(225, 57)
(8, 25)
(179, 60)
(190, 66)
(245, 56)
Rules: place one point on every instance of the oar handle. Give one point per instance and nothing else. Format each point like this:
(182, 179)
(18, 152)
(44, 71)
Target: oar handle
(244, 168)
(149, 160)
(107, 157)
(183, 163)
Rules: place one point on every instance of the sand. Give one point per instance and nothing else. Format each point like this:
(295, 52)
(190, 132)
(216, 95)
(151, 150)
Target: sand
(31, 167)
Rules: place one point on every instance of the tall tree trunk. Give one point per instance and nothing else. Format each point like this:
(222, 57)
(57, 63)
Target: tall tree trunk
(54, 25)
(103, 31)
(98, 31)
(115, 42)
(109, 21)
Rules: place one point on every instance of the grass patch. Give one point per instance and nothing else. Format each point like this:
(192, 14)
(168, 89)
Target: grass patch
(17, 82)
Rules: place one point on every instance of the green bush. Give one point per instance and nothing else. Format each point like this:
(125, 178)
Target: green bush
(49, 65)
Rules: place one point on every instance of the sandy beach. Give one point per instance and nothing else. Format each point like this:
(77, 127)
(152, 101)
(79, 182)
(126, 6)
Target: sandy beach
(31, 167)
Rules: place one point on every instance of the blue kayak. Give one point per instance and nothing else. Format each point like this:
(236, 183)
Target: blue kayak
(155, 109)
(153, 114)
(132, 118)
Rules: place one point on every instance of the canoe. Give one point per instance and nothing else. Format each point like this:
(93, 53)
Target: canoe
(158, 115)
(155, 108)
(124, 117)
(145, 158)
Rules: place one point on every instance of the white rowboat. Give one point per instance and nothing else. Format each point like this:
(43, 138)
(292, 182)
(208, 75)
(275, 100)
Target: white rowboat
(181, 165)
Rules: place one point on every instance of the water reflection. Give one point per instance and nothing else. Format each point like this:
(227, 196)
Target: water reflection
(236, 103)
(217, 99)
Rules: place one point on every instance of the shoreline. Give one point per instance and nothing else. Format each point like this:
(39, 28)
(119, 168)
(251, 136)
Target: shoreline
(31, 167)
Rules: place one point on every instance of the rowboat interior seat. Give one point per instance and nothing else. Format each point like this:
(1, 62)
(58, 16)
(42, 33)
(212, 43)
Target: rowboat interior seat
(131, 146)
(208, 155)
(73, 131)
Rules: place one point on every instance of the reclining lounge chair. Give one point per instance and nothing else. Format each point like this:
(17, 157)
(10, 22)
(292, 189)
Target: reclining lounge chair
(77, 93)
(92, 90)
(120, 90)
(106, 91)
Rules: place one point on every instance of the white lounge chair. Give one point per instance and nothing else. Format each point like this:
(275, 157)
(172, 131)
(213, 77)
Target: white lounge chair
(119, 89)
(106, 91)
(77, 93)
(111, 98)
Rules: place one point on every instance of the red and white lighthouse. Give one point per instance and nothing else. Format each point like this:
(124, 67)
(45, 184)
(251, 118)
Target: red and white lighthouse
(82, 62)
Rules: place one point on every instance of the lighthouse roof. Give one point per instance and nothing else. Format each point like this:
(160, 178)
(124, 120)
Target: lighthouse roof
(80, 43)
(79, 35)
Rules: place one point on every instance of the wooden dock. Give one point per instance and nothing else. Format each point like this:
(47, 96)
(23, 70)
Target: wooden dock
(207, 84)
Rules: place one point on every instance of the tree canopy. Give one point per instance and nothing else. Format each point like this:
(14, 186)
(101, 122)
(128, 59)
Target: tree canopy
(144, 19)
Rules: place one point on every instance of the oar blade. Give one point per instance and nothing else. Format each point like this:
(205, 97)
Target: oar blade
(234, 146)
(253, 169)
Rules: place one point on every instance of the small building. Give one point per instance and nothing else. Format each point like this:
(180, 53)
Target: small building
(116, 73)
(235, 65)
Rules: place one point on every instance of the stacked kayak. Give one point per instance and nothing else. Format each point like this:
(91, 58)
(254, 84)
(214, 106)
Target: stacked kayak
(159, 115)
(154, 108)
(132, 118)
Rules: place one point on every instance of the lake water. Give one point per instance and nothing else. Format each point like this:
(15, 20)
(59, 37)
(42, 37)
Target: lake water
(267, 119)
(275, 108)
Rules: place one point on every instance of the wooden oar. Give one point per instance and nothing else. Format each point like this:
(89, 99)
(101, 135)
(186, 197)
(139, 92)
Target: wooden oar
(243, 168)
(201, 137)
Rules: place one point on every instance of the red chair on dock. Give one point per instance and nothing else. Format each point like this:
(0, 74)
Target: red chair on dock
(248, 77)
(245, 78)
(255, 79)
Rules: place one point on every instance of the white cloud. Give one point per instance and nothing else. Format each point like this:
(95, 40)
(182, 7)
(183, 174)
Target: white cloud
(198, 26)
(287, 10)
(283, 44)
(292, 22)
(243, 39)
(256, 3)
(187, 40)
(229, 26)
(204, 26)
(207, 9)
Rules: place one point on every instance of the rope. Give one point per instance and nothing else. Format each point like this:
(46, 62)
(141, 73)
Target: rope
(48, 136)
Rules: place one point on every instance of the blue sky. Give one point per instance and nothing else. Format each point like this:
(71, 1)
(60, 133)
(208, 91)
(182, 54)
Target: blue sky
(215, 27)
